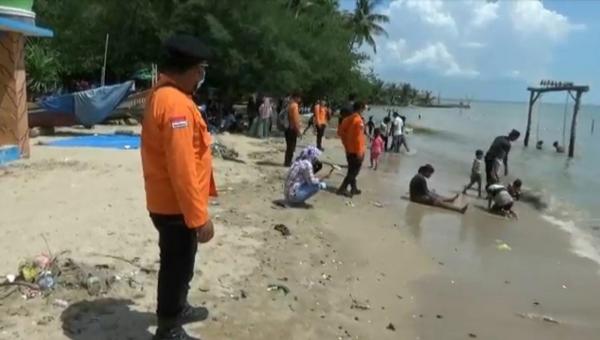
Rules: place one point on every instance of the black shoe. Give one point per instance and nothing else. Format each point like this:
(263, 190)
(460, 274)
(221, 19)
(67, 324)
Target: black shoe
(174, 333)
(192, 314)
(356, 192)
(345, 193)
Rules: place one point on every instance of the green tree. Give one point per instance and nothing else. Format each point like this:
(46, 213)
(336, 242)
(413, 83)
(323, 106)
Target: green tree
(367, 24)
(267, 46)
(42, 68)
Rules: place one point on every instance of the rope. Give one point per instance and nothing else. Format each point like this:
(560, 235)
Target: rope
(564, 136)
(537, 133)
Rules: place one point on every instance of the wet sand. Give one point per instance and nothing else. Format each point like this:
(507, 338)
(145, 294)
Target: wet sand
(351, 269)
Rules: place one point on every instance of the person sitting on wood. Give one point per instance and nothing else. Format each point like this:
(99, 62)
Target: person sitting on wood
(420, 193)
(558, 147)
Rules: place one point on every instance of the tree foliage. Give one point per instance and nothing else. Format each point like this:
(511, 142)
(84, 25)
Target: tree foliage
(267, 46)
(42, 68)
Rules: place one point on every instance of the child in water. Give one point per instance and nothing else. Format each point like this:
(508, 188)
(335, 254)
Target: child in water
(514, 189)
(476, 172)
(377, 148)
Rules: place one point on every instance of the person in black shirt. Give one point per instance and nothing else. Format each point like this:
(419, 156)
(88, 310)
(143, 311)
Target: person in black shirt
(370, 126)
(420, 193)
(497, 153)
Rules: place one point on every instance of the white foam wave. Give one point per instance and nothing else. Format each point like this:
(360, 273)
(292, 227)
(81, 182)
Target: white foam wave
(583, 243)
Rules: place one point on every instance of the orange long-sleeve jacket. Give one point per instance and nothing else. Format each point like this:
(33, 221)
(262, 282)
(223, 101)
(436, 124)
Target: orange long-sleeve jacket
(176, 156)
(351, 131)
(321, 115)
(294, 116)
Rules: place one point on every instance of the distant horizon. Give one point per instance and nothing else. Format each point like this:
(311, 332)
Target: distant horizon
(583, 103)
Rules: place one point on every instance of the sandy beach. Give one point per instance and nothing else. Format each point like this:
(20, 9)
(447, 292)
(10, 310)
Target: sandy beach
(374, 267)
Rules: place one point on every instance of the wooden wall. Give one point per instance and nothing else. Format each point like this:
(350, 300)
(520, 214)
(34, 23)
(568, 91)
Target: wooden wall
(14, 127)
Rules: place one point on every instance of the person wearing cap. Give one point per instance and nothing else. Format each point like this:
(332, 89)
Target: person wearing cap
(178, 177)
(498, 153)
(351, 131)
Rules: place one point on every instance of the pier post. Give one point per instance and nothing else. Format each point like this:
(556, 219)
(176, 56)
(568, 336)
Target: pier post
(574, 125)
(531, 102)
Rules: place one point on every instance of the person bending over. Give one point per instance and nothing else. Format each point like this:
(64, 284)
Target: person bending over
(497, 153)
(420, 193)
(500, 201)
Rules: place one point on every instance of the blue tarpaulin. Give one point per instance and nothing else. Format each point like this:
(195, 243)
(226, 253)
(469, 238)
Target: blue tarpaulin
(115, 141)
(63, 103)
(9, 153)
(92, 106)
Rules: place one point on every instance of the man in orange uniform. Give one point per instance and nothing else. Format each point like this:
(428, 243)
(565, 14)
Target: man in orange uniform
(321, 123)
(293, 130)
(178, 176)
(351, 131)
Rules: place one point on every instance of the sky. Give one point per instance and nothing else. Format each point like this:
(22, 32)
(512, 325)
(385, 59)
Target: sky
(489, 49)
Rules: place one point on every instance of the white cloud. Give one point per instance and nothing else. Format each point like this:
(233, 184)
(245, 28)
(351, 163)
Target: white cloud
(437, 57)
(490, 40)
(532, 18)
(431, 12)
(396, 47)
(473, 44)
(484, 13)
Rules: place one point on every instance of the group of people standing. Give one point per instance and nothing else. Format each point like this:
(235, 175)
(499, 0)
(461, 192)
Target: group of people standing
(301, 182)
(178, 176)
(391, 128)
(354, 134)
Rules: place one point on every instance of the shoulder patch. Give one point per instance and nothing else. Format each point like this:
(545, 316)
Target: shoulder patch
(179, 122)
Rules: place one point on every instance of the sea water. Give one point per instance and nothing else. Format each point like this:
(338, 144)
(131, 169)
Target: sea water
(567, 190)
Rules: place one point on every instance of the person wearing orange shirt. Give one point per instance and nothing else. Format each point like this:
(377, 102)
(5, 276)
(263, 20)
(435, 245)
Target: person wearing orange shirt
(293, 130)
(178, 178)
(351, 131)
(321, 118)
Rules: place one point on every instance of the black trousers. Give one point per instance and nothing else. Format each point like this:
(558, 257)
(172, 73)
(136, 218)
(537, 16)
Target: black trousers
(178, 246)
(385, 143)
(354, 165)
(291, 137)
(320, 134)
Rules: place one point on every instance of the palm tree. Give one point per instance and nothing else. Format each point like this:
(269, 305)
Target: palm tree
(300, 5)
(367, 24)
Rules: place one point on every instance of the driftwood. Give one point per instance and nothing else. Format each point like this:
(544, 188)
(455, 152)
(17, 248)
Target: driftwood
(143, 269)
(21, 284)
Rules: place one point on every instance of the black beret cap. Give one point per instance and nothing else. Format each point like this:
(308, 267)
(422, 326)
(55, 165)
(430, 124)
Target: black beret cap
(188, 47)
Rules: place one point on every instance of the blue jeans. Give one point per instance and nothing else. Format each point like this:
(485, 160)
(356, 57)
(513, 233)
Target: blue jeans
(304, 192)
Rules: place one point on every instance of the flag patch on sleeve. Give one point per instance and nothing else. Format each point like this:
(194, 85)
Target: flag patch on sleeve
(179, 122)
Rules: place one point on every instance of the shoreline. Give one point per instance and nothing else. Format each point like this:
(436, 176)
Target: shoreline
(426, 271)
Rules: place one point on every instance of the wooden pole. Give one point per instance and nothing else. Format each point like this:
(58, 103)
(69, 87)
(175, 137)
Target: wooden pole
(103, 77)
(531, 102)
(574, 125)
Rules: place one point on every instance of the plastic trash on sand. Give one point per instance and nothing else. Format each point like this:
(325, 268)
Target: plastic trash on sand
(501, 245)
